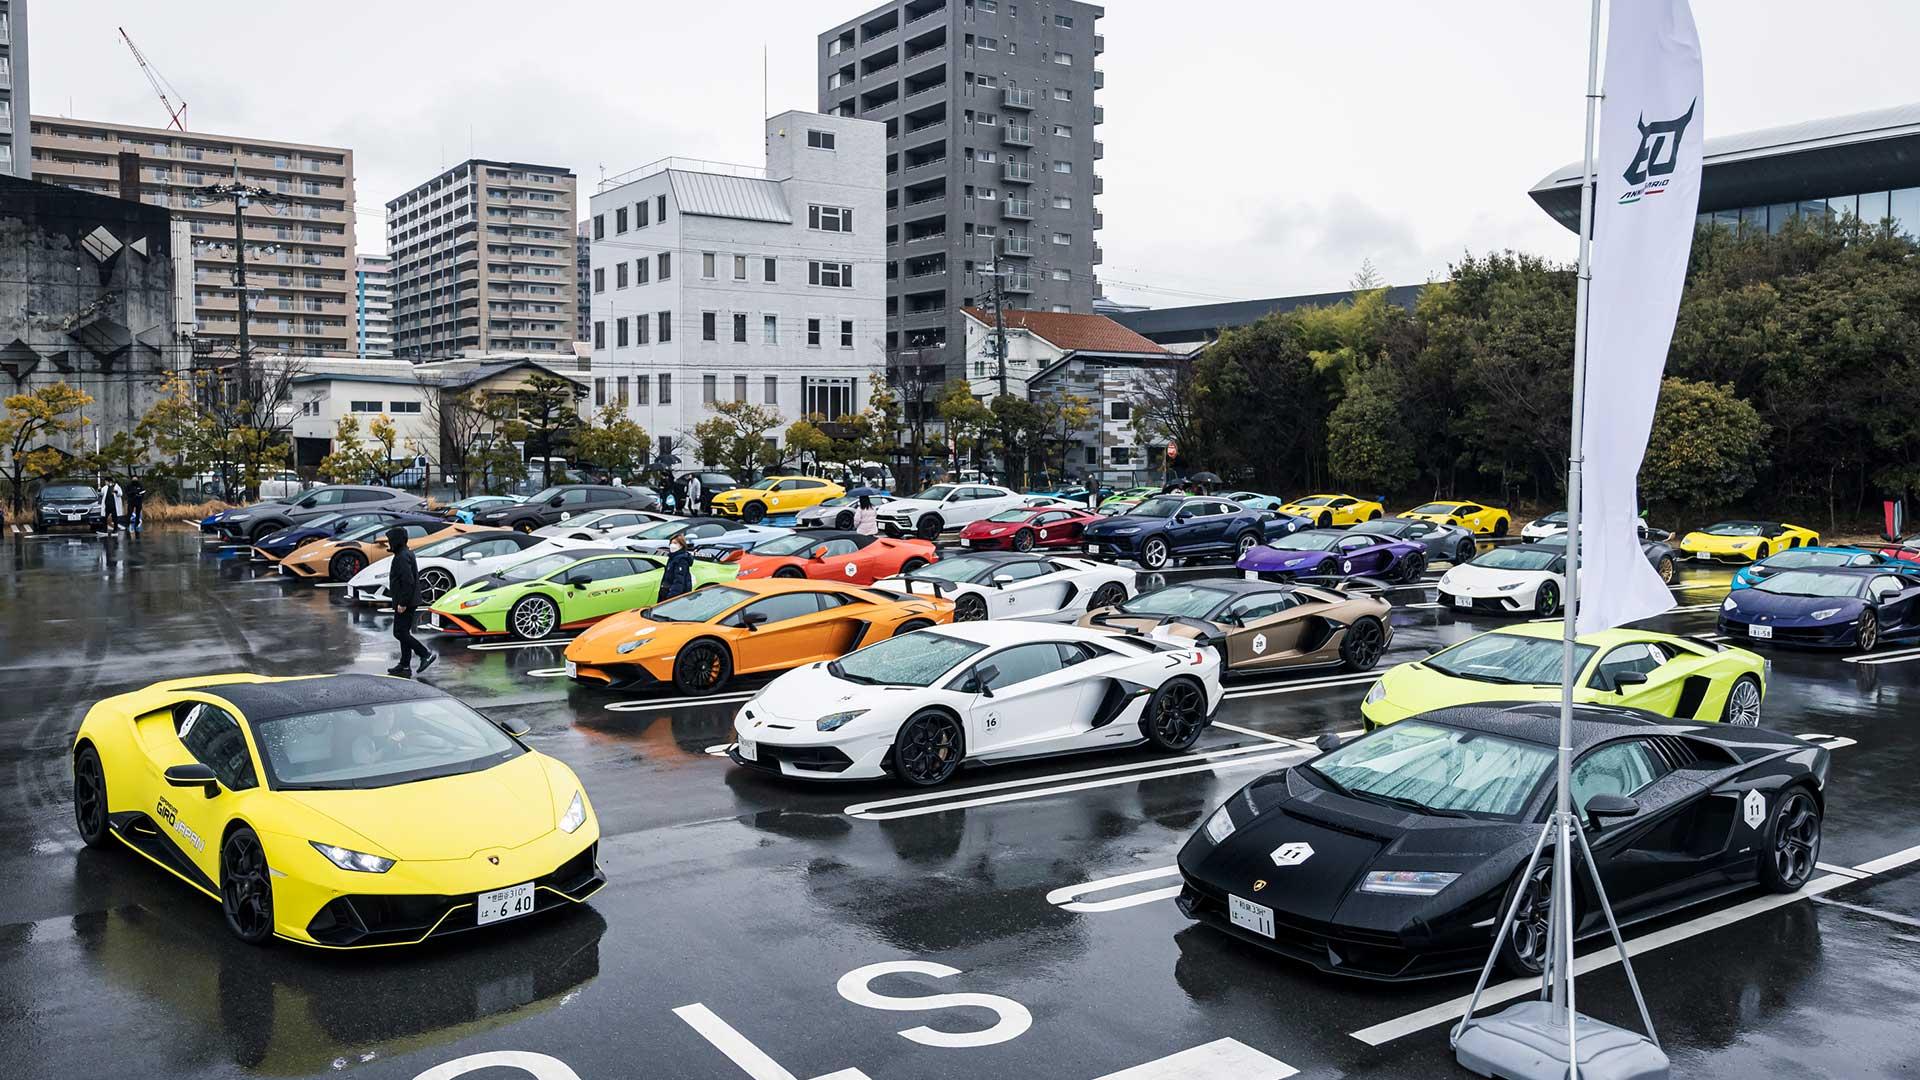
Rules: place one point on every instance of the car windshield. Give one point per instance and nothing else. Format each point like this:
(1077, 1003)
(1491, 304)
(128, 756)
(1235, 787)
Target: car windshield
(65, 492)
(544, 494)
(909, 660)
(956, 568)
(1800, 558)
(442, 547)
(663, 530)
(1382, 527)
(536, 568)
(1736, 528)
(1013, 515)
(1308, 541)
(699, 605)
(841, 500)
(1558, 517)
(1516, 559)
(1507, 658)
(936, 493)
(1159, 506)
(373, 746)
(1815, 583)
(796, 544)
(1317, 500)
(1435, 508)
(1187, 601)
(1440, 768)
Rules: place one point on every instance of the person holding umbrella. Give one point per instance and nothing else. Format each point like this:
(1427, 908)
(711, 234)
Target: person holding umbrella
(1204, 481)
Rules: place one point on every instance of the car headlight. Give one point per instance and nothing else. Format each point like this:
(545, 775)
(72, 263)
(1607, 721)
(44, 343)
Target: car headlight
(348, 859)
(1220, 825)
(575, 816)
(473, 603)
(1510, 588)
(836, 721)
(1376, 692)
(1728, 604)
(1826, 613)
(1128, 530)
(638, 640)
(1406, 882)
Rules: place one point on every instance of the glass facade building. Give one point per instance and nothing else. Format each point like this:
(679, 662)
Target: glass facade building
(1901, 208)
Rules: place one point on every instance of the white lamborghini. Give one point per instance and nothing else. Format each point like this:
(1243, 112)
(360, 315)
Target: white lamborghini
(919, 705)
(447, 564)
(706, 534)
(602, 525)
(1020, 585)
(1523, 579)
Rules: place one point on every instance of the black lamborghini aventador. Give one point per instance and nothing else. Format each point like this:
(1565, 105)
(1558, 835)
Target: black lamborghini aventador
(1395, 855)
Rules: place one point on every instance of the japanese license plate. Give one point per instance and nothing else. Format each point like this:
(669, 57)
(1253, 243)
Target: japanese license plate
(1248, 915)
(966, 543)
(1755, 630)
(573, 670)
(508, 903)
(1093, 549)
(748, 750)
(1702, 557)
(1463, 601)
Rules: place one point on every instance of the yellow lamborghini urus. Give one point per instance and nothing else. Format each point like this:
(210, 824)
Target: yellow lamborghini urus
(340, 811)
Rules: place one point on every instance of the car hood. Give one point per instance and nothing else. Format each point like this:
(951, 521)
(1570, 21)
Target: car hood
(1309, 866)
(994, 528)
(1421, 688)
(1113, 525)
(600, 643)
(1272, 558)
(805, 694)
(448, 818)
(757, 566)
(904, 505)
(1484, 577)
(1776, 605)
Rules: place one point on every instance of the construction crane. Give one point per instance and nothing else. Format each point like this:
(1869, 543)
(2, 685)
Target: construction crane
(176, 117)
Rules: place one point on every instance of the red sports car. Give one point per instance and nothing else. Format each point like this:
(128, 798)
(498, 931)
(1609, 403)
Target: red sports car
(1027, 528)
(833, 555)
(1907, 550)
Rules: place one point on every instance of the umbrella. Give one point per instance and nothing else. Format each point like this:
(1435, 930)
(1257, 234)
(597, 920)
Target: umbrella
(1205, 478)
(865, 491)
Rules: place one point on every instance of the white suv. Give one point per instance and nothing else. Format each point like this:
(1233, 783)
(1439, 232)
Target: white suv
(945, 506)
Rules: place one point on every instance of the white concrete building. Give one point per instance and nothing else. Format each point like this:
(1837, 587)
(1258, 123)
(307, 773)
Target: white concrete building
(715, 283)
(373, 307)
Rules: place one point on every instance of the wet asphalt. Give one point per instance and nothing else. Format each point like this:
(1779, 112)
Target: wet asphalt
(741, 931)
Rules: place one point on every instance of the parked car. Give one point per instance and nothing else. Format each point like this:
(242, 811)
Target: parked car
(254, 523)
(1449, 543)
(945, 506)
(837, 512)
(1167, 527)
(69, 503)
(773, 495)
(553, 505)
(463, 510)
(603, 525)
(1027, 527)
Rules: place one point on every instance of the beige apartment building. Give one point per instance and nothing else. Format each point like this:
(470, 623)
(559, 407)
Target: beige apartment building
(300, 249)
(484, 261)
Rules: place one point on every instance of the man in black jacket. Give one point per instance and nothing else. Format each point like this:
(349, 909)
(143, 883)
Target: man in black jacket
(404, 585)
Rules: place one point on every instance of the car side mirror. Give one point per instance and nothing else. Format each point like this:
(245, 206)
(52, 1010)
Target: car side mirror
(1001, 581)
(1601, 807)
(576, 582)
(514, 727)
(1630, 678)
(471, 556)
(752, 620)
(1328, 743)
(555, 501)
(818, 554)
(1182, 516)
(194, 775)
(983, 677)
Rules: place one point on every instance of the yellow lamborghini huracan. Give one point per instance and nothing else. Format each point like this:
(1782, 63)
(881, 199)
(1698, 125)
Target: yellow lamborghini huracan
(1330, 510)
(1745, 541)
(341, 811)
(1477, 518)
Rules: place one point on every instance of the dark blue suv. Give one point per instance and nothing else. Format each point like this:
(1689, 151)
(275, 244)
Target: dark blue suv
(1167, 527)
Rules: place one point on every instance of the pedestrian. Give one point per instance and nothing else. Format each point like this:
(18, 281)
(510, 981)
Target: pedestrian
(677, 579)
(866, 520)
(136, 505)
(403, 584)
(113, 504)
(694, 505)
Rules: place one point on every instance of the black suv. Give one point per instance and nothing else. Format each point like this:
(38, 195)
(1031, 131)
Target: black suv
(562, 501)
(255, 522)
(69, 502)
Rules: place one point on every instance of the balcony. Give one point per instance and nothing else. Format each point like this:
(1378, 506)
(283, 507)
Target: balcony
(1099, 255)
(1099, 150)
(1019, 281)
(1099, 79)
(923, 163)
(1099, 220)
(1017, 172)
(1016, 244)
(878, 27)
(1016, 135)
(917, 11)
(1099, 185)
(1099, 44)
(1016, 97)
(1099, 115)
(1016, 210)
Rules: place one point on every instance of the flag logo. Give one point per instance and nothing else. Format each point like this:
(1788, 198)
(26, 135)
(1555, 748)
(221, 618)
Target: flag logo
(1657, 156)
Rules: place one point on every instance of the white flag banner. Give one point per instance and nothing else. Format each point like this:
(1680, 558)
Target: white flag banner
(1647, 192)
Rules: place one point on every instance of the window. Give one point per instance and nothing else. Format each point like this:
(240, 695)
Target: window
(708, 332)
(620, 220)
(1064, 59)
(1061, 275)
(620, 332)
(403, 407)
(1020, 663)
(830, 275)
(620, 276)
(663, 263)
(709, 388)
(640, 389)
(739, 268)
(660, 207)
(1062, 131)
(706, 264)
(772, 389)
(1063, 166)
(599, 226)
(830, 218)
(770, 270)
(640, 214)
(640, 268)
(988, 6)
(666, 327)
(1064, 22)
(1061, 239)
(215, 740)
(1635, 659)
(365, 406)
(988, 44)
(1119, 456)
(832, 398)
(769, 330)
(1061, 93)
(1622, 769)
(599, 392)
(986, 157)
(820, 140)
(846, 333)
(813, 333)
(642, 325)
(1119, 410)
(740, 326)
(739, 388)
(620, 390)
(600, 280)
(1063, 202)
(600, 335)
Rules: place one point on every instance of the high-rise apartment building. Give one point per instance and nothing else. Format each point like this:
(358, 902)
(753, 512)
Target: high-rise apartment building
(299, 242)
(16, 112)
(583, 252)
(373, 306)
(990, 118)
(484, 261)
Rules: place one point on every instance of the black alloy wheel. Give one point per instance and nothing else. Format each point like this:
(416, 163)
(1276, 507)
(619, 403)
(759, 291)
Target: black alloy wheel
(261, 532)
(1325, 521)
(1360, 650)
(246, 887)
(971, 607)
(702, 667)
(1667, 569)
(1500, 527)
(90, 797)
(1112, 594)
(1762, 553)
(790, 572)
(1154, 554)
(753, 513)
(1743, 703)
(1523, 951)
(928, 749)
(1467, 550)
(1796, 842)
(1175, 715)
(1023, 540)
(910, 626)
(1868, 630)
(533, 617)
(345, 564)
(1546, 602)
(1412, 567)
(523, 525)
(844, 520)
(434, 584)
(912, 564)
(929, 527)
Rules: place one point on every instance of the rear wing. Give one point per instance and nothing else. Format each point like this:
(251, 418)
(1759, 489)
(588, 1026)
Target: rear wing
(1346, 586)
(938, 589)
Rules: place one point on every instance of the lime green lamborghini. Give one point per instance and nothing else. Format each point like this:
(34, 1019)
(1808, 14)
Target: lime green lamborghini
(562, 591)
(1682, 677)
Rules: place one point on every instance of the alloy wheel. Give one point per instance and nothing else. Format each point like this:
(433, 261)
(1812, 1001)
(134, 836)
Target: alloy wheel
(1667, 570)
(1743, 704)
(700, 668)
(1179, 712)
(1364, 644)
(89, 796)
(1547, 601)
(433, 585)
(1106, 596)
(534, 617)
(1869, 631)
(1796, 841)
(1153, 556)
(245, 892)
(1246, 543)
(970, 608)
(1023, 540)
(1531, 934)
(929, 749)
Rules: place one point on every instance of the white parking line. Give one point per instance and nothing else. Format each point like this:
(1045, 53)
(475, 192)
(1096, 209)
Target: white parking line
(1295, 688)
(329, 584)
(1843, 871)
(1448, 1011)
(1222, 1059)
(1238, 730)
(545, 643)
(1899, 656)
(643, 704)
(1067, 898)
(546, 673)
(1016, 790)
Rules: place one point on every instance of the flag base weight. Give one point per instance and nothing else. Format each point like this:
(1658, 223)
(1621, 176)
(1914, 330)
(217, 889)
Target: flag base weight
(1528, 1041)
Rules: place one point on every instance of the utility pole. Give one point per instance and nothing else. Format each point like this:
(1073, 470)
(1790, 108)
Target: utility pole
(999, 319)
(246, 386)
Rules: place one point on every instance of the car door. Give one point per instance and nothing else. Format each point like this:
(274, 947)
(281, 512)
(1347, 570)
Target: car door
(1025, 589)
(1026, 700)
(1639, 674)
(599, 587)
(193, 822)
(1188, 528)
(1897, 598)
(833, 560)
(1259, 633)
(1056, 527)
(1361, 555)
(572, 501)
(1670, 840)
(788, 629)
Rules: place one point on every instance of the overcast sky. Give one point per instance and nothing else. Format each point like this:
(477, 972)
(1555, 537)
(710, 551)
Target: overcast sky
(1253, 147)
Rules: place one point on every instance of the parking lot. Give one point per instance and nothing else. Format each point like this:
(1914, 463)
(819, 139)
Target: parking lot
(1017, 923)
